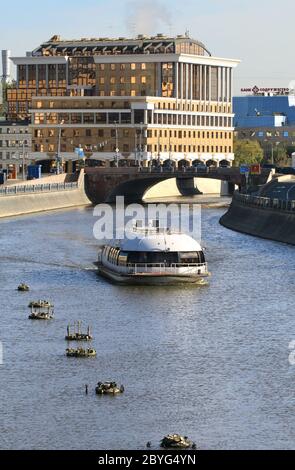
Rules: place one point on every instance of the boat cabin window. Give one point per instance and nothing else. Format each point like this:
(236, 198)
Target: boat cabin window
(167, 258)
(195, 257)
(123, 258)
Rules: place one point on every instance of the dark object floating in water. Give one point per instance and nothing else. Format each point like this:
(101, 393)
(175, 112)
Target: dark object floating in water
(109, 388)
(40, 304)
(41, 315)
(177, 441)
(81, 352)
(23, 288)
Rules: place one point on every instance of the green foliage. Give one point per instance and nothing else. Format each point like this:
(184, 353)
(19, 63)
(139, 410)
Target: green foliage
(278, 153)
(4, 87)
(247, 152)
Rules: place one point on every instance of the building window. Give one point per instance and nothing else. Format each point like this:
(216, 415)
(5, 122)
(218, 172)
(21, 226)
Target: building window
(143, 79)
(143, 66)
(133, 66)
(133, 93)
(133, 80)
(113, 66)
(88, 132)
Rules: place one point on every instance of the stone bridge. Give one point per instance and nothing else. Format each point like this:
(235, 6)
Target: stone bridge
(104, 184)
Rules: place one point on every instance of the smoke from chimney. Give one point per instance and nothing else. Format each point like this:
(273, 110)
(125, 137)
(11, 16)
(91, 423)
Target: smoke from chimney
(148, 18)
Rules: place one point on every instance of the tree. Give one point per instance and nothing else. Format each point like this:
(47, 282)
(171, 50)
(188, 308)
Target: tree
(247, 152)
(3, 91)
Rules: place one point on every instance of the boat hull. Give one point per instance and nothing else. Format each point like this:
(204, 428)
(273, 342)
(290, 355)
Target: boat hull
(151, 279)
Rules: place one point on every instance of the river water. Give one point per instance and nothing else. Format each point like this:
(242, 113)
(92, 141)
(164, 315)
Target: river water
(208, 362)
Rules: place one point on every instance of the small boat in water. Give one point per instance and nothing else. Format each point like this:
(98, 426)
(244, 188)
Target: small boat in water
(176, 441)
(80, 352)
(40, 304)
(153, 256)
(109, 388)
(41, 315)
(23, 288)
(77, 334)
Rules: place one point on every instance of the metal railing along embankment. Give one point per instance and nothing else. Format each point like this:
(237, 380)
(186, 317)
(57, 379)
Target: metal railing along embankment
(37, 188)
(265, 202)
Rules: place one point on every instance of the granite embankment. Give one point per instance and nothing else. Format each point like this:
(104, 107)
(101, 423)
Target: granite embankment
(261, 217)
(56, 192)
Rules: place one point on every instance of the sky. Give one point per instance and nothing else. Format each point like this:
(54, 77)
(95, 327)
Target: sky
(260, 33)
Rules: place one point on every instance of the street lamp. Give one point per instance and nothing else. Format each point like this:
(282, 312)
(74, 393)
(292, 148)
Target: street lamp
(23, 157)
(272, 150)
(58, 159)
(135, 147)
(140, 145)
(117, 145)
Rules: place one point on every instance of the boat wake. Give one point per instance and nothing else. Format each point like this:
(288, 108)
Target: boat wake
(17, 259)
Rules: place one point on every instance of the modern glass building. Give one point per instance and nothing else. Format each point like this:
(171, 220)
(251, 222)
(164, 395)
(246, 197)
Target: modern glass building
(264, 111)
(268, 119)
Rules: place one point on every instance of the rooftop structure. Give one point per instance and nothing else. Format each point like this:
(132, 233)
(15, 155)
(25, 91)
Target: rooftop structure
(142, 44)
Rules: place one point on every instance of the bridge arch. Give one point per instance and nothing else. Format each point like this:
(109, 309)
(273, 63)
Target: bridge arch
(183, 164)
(198, 162)
(169, 163)
(211, 163)
(224, 163)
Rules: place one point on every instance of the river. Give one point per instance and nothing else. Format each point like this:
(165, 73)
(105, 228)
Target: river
(208, 362)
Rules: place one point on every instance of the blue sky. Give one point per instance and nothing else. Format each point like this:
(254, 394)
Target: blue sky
(261, 33)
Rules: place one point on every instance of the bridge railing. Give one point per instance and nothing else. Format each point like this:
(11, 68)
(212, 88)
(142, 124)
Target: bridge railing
(265, 202)
(166, 170)
(37, 188)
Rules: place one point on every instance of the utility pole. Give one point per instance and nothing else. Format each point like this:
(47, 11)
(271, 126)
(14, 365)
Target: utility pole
(135, 147)
(23, 167)
(58, 149)
(117, 145)
(140, 145)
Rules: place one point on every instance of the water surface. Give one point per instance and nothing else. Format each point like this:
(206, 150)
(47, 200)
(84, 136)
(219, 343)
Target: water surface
(209, 362)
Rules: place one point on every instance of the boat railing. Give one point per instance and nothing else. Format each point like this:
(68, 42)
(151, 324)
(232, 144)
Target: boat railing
(164, 267)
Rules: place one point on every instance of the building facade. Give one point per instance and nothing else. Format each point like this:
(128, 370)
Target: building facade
(268, 119)
(140, 99)
(264, 111)
(15, 148)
